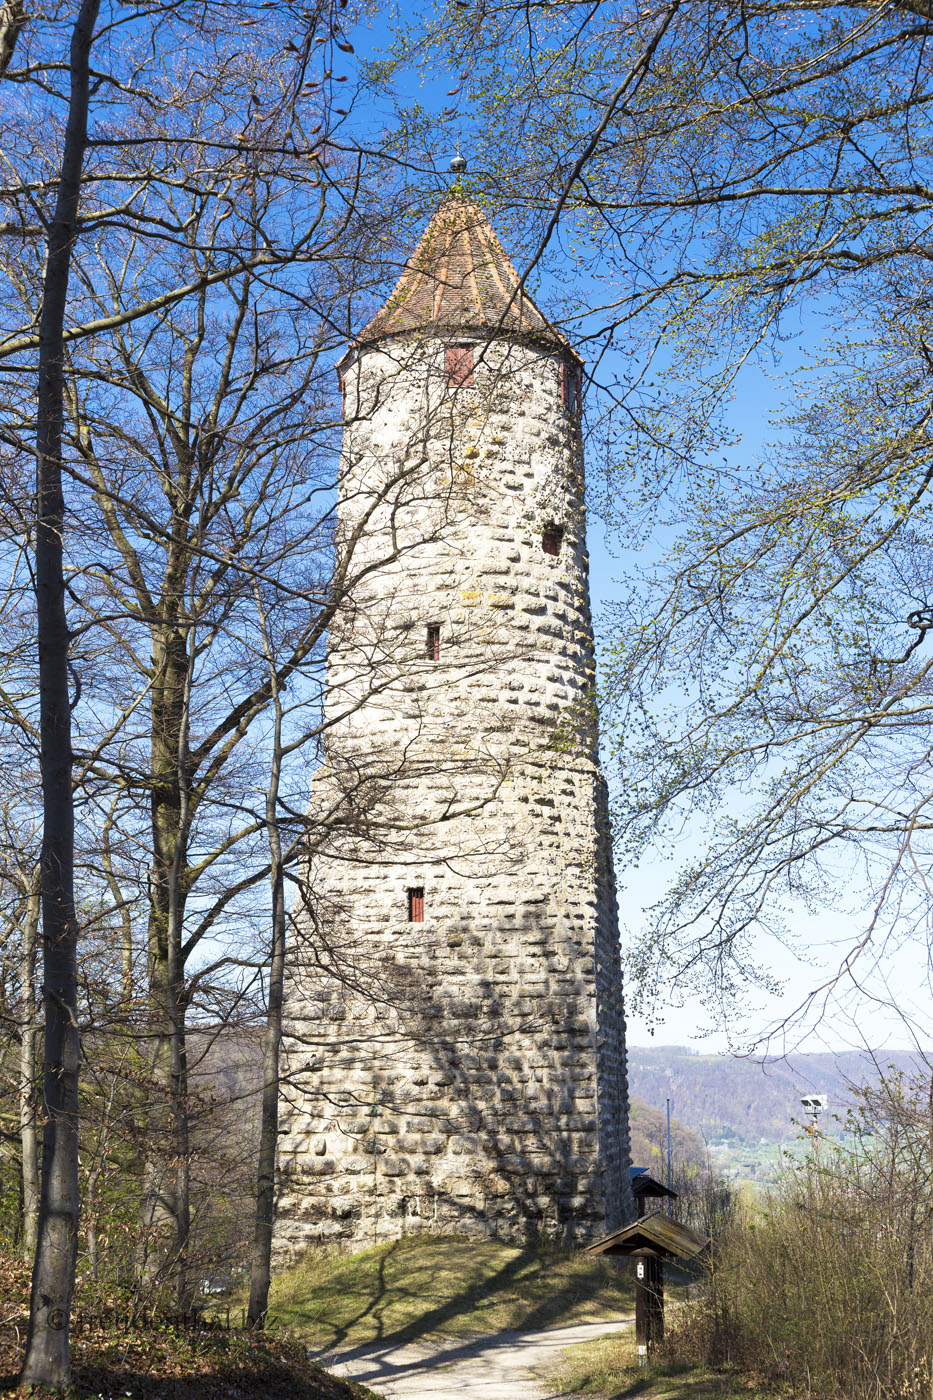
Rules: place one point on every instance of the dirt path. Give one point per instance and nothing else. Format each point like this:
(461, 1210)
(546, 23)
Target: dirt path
(500, 1367)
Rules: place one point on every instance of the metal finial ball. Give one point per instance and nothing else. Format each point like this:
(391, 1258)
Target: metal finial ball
(458, 165)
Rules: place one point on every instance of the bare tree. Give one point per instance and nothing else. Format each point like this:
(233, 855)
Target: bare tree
(72, 66)
(47, 1351)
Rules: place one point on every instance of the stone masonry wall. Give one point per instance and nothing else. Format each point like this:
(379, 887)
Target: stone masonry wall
(468, 1071)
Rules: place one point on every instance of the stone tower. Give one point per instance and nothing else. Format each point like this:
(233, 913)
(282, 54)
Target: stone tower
(455, 1054)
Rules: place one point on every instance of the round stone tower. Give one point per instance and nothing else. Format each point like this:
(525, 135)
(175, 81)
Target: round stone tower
(455, 1053)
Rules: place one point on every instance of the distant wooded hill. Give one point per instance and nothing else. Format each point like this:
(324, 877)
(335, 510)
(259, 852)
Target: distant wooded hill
(648, 1127)
(721, 1097)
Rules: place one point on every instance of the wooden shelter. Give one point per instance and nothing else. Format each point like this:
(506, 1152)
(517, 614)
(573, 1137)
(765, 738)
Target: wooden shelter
(651, 1240)
(646, 1189)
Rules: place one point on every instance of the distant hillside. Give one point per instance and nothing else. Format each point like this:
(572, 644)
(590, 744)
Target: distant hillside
(721, 1097)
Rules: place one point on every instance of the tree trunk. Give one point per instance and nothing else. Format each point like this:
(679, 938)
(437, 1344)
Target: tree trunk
(261, 1262)
(12, 21)
(166, 1212)
(47, 1345)
(29, 1036)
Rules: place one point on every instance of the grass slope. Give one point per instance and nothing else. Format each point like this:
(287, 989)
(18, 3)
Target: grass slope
(425, 1286)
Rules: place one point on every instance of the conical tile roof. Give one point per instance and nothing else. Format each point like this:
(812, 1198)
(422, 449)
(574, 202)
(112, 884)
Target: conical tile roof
(459, 279)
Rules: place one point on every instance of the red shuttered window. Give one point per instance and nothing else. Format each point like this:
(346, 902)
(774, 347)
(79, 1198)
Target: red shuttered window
(459, 364)
(416, 905)
(433, 649)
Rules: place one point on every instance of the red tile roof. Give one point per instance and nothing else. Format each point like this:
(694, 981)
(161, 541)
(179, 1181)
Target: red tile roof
(459, 279)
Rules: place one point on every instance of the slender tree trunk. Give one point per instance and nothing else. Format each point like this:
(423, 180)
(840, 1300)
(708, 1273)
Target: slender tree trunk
(261, 1262)
(91, 1209)
(47, 1345)
(29, 1037)
(126, 918)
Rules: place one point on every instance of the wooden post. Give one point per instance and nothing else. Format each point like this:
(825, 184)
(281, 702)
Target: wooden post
(649, 1305)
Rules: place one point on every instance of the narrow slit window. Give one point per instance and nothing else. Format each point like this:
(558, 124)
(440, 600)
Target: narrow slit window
(433, 647)
(570, 387)
(416, 905)
(552, 537)
(459, 365)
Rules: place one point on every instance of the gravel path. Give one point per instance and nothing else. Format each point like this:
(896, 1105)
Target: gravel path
(500, 1367)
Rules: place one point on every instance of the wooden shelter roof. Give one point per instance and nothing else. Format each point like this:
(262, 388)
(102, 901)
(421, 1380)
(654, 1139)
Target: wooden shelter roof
(655, 1232)
(644, 1184)
(459, 279)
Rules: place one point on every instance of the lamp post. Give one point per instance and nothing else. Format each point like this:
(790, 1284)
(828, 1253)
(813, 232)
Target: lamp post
(669, 1171)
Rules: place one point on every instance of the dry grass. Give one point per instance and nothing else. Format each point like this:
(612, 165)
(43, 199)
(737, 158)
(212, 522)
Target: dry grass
(607, 1368)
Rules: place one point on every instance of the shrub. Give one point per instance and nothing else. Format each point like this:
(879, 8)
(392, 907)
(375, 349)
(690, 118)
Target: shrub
(827, 1284)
